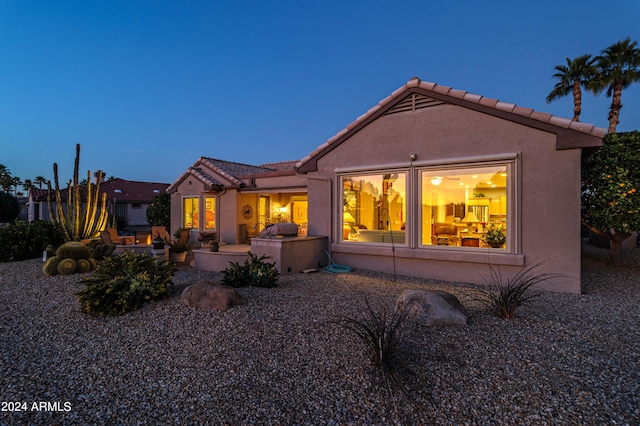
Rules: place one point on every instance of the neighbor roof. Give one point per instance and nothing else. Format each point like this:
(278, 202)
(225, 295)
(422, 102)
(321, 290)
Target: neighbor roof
(120, 190)
(574, 134)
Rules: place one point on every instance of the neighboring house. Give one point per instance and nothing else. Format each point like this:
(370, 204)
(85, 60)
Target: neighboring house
(125, 198)
(413, 185)
(237, 200)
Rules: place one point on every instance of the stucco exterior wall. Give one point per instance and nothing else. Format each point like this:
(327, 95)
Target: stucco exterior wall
(545, 196)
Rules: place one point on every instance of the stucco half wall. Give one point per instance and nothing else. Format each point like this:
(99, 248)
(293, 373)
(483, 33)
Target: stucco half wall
(544, 194)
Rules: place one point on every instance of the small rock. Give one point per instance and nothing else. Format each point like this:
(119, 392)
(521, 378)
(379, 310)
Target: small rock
(210, 296)
(432, 307)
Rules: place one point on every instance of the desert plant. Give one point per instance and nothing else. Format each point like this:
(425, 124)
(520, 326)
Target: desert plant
(67, 266)
(73, 250)
(79, 222)
(255, 272)
(101, 251)
(208, 237)
(502, 296)
(385, 342)
(50, 267)
(83, 265)
(123, 283)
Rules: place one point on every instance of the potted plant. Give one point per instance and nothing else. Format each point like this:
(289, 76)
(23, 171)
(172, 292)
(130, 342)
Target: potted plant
(158, 242)
(178, 251)
(495, 236)
(209, 239)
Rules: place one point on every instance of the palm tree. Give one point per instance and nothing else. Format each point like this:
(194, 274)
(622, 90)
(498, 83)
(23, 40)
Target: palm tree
(40, 180)
(618, 67)
(15, 182)
(578, 73)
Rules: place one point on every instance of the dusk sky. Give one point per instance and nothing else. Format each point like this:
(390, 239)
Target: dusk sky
(148, 87)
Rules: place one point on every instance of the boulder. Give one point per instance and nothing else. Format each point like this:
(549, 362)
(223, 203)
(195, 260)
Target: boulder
(428, 307)
(210, 296)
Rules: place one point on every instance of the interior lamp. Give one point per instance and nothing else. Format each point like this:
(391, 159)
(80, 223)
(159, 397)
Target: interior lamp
(470, 218)
(436, 180)
(347, 220)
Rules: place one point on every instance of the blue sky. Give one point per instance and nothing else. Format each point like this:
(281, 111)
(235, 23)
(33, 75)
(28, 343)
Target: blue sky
(147, 87)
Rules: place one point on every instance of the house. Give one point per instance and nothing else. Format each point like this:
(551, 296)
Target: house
(125, 198)
(237, 200)
(414, 184)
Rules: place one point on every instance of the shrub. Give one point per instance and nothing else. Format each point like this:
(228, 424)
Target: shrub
(9, 207)
(255, 272)
(123, 283)
(159, 210)
(501, 297)
(27, 240)
(386, 346)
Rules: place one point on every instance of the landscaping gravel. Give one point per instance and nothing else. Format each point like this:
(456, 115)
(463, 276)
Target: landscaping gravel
(278, 359)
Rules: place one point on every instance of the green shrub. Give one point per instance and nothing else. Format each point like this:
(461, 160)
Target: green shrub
(123, 283)
(255, 272)
(9, 207)
(27, 240)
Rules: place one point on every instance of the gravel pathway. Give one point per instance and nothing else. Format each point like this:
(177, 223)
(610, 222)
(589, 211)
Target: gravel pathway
(567, 359)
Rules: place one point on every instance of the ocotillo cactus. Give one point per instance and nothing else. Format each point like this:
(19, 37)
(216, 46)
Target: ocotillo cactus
(79, 222)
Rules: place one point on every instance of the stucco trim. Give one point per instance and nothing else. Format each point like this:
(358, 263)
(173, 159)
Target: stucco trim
(459, 255)
(466, 161)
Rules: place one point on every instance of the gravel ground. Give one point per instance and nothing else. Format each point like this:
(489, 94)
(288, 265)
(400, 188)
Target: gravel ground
(567, 359)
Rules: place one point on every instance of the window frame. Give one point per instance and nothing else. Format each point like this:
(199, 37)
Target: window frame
(339, 236)
(413, 221)
(510, 192)
(183, 213)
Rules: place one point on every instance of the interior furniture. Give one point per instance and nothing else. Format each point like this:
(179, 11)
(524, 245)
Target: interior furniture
(445, 234)
(380, 236)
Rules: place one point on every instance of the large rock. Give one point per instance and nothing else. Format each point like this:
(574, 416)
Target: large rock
(432, 307)
(210, 296)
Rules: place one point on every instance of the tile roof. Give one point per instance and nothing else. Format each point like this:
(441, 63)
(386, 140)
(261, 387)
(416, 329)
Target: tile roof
(506, 110)
(116, 189)
(232, 171)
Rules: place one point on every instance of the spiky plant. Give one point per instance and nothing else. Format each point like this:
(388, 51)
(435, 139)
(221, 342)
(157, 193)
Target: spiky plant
(501, 296)
(385, 341)
(80, 221)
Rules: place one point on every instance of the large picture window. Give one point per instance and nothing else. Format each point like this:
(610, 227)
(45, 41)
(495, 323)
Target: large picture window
(374, 207)
(190, 212)
(464, 207)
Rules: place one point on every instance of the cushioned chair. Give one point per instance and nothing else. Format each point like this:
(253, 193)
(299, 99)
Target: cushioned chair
(160, 232)
(112, 234)
(445, 234)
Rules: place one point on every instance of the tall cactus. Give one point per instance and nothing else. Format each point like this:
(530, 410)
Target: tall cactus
(78, 222)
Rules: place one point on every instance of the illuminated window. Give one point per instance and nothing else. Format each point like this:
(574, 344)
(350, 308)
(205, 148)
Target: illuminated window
(190, 212)
(210, 212)
(464, 206)
(374, 208)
